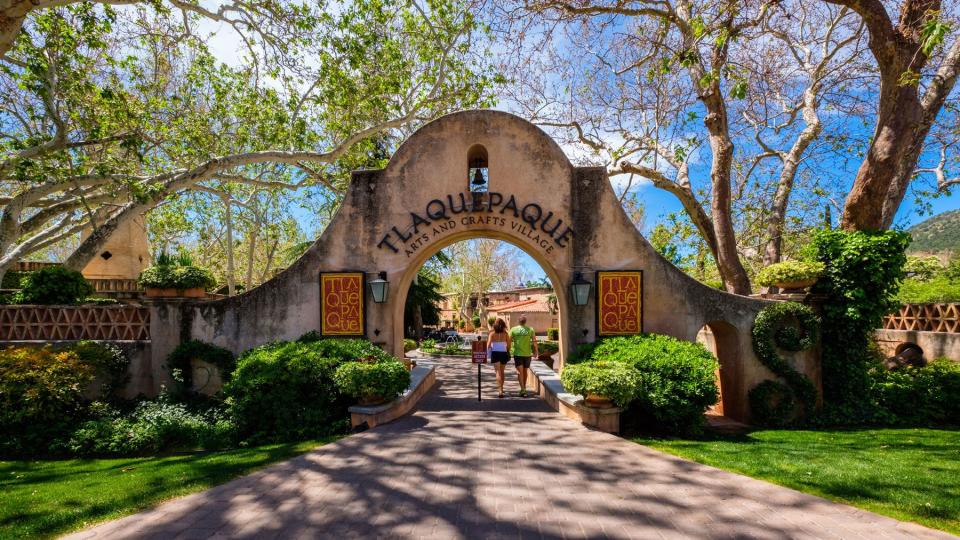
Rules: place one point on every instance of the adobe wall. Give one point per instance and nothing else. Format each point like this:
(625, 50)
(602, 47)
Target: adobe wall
(375, 230)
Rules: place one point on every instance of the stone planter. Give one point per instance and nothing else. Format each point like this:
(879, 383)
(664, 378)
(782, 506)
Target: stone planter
(195, 292)
(795, 285)
(368, 401)
(597, 402)
(546, 359)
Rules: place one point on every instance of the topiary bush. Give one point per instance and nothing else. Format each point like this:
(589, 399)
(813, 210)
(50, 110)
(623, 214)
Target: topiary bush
(791, 327)
(409, 345)
(372, 382)
(180, 362)
(284, 391)
(617, 381)
(41, 396)
(677, 378)
(53, 285)
(789, 271)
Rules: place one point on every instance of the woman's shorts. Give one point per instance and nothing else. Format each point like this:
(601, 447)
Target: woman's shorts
(522, 361)
(499, 356)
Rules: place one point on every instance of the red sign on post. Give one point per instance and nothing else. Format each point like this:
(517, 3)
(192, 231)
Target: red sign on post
(342, 304)
(479, 352)
(619, 303)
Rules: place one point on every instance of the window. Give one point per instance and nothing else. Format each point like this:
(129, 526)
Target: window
(478, 178)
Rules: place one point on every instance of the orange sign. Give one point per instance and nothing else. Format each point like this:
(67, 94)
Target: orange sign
(619, 301)
(341, 304)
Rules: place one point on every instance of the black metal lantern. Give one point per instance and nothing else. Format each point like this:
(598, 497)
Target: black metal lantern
(580, 290)
(378, 288)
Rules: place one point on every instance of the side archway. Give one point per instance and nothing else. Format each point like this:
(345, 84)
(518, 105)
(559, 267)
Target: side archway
(721, 339)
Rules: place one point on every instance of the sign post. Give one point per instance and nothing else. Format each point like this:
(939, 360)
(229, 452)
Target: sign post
(479, 357)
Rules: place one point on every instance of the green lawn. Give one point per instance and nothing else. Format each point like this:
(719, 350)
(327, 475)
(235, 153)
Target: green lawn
(45, 498)
(908, 474)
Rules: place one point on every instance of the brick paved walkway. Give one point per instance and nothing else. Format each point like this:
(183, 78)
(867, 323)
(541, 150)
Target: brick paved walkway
(508, 468)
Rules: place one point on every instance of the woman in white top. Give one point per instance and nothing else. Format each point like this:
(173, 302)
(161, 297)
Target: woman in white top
(498, 349)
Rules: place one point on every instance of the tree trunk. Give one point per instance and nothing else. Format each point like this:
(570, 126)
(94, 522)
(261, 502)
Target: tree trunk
(773, 250)
(231, 270)
(899, 115)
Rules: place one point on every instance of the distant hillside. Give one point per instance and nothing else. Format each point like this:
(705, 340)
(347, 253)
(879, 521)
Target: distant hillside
(936, 234)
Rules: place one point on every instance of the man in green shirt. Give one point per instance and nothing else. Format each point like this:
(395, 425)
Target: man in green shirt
(524, 347)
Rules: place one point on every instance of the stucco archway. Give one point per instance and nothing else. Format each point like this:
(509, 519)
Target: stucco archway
(392, 219)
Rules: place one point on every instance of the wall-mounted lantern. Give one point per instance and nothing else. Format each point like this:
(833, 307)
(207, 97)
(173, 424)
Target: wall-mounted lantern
(378, 288)
(580, 290)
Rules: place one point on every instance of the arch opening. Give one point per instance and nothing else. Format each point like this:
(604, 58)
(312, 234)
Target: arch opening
(543, 309)
(720, 338)
(478, 169)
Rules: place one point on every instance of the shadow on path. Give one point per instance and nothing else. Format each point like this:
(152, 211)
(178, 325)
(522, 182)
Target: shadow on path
(498, 468)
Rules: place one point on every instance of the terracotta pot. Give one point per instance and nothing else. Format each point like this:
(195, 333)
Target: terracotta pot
(372, 400)
(195, 292)
(597, 402)
(793, 285)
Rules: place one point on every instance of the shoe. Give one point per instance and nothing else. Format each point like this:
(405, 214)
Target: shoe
(500, 395)
(523, 393)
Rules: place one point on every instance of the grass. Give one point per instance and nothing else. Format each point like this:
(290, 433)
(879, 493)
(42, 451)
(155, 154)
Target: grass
(907, 474)
(40, 499)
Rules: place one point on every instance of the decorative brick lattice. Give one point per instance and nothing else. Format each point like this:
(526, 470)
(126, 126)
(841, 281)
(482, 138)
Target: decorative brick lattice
(68, 323)
(925, 318)
(115, 285)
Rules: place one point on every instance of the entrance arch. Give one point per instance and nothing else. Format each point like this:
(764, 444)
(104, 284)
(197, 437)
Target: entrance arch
(440, 188)
(406, 280)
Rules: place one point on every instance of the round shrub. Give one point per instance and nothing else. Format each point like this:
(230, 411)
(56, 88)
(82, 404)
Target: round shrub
(180, 362)
(409, 345)
(677, 378)
(548, 347)
(284, 391)
(54, 285)
(41, 394)
(772, 404)
(615, 381)
(476, 321)
(346, 350)
(789, 271)
(372, 381)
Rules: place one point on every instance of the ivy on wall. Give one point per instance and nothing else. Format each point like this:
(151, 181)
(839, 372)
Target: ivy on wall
(791, 327)
(180, 362)
(863, 274)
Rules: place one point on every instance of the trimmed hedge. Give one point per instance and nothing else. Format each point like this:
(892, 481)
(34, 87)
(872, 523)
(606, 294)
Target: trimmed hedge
(176, 277)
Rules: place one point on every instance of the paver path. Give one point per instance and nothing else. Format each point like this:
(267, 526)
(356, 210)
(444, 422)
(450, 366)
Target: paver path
(509, 468)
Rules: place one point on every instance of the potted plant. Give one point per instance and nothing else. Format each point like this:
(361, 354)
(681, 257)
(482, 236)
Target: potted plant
(372, 383)
(547, 349)
(790, 275)
(175, 277)
(602, 383)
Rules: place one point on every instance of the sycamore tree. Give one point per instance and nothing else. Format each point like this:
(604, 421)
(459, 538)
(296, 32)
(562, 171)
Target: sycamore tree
(711, 101)
(109, 112)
